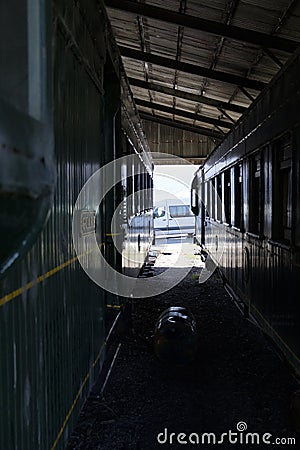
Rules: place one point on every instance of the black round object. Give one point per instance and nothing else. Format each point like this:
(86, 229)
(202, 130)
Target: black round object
(175, 336)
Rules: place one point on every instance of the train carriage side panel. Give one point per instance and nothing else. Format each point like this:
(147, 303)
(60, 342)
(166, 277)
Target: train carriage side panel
(260, 258)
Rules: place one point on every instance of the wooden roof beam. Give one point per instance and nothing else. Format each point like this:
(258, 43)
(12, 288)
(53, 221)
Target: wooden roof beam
(182, 113)
(192, 68)
(209, 26)
(186, 95)
(182, 126)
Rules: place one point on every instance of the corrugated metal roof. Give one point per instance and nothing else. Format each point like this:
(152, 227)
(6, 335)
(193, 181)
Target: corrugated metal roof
(158, 35)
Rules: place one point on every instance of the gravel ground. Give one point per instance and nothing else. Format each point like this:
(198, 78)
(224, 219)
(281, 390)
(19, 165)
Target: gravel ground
(236, 376)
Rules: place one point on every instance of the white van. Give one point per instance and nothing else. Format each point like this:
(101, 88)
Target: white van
(173, 220)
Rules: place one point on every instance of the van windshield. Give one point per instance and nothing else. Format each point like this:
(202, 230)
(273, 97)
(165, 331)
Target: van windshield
(180, 211)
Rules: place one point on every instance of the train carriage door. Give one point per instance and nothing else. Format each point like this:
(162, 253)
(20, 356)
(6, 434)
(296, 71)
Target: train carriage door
(197, 207)
(237, 196)
(112, 150)
(203, 202)
(256, 194)
(282, 190)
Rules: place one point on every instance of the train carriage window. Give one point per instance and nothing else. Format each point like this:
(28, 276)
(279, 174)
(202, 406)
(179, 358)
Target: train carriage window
(129, 183)
(238, 195)
(227, 198)
(137, 188)
(213, 198)
(282, 189)
(147, 191)
(256, 195)
(150, 193)
(195, 196)
(207, 199)
(219, 198)
(136, 178)
(142, 193)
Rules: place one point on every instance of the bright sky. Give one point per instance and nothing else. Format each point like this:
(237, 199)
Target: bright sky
(173, 181)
